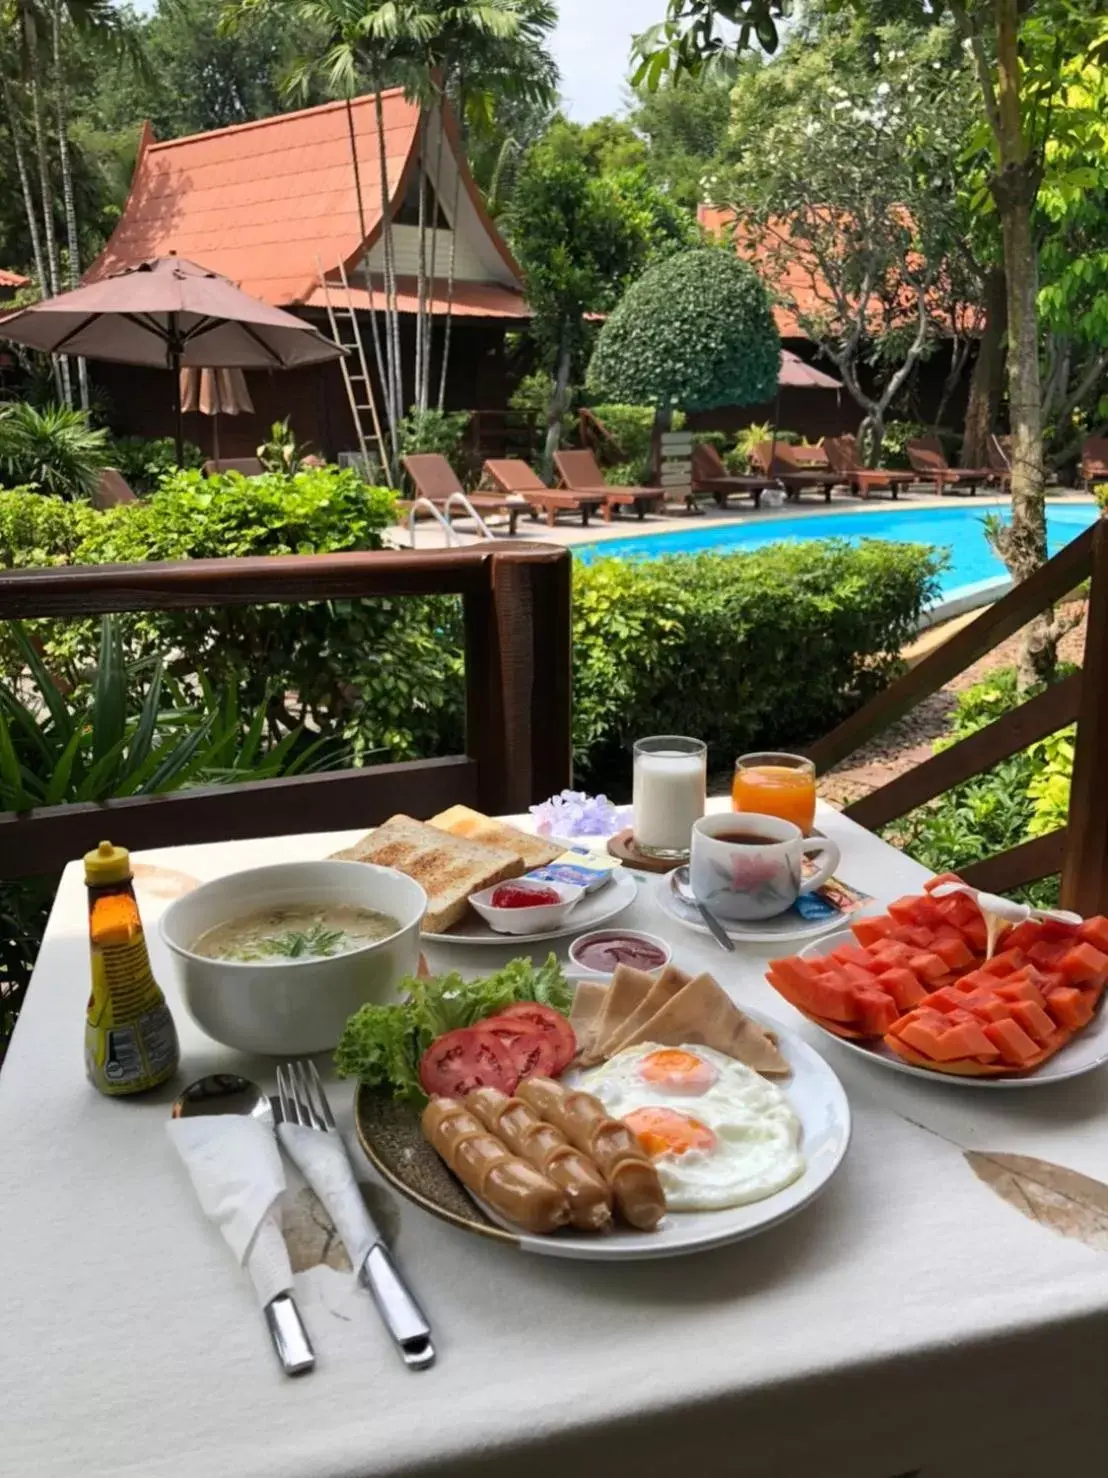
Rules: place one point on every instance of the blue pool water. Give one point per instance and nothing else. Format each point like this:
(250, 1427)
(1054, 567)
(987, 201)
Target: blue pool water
(959, 529)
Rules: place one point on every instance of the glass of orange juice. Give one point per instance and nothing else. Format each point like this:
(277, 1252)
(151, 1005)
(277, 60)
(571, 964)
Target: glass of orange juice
(781, 785)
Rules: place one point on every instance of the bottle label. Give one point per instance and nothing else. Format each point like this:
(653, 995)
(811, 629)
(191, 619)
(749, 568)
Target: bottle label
(130, 1038)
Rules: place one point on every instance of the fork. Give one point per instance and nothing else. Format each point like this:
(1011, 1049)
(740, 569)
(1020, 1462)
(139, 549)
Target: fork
(322, 1157)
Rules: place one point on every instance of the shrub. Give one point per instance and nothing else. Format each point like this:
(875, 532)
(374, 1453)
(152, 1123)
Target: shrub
(434, 431)
(894, 443)
(37, 529)
(627, 474)
(54, 449)
(1100, 493)
(695, 331)
(631, 427)
(143, 461)
(1020, 798)
(745, 650)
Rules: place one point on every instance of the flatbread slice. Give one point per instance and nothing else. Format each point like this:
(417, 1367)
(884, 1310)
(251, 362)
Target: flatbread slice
(628, 990)
(461, 821)
(588, 1003)
(668, 983)
(703, 1013)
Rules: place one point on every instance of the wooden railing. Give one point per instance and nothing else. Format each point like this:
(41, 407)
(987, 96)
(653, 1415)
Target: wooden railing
(1079, 851)
(517, 670)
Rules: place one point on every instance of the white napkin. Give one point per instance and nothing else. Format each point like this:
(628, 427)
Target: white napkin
(325, 1165)
(236, 1169)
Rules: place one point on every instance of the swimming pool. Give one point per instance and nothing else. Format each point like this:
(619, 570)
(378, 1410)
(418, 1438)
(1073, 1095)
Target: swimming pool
(959, 529)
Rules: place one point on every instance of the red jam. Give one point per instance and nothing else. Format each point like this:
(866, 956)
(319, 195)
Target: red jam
(511, 895)
(603, 955)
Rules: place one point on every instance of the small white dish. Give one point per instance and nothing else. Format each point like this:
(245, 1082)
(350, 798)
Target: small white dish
(527, 920)
(595, 936)
(593, 910)
(786, 926)
(1084, 1054)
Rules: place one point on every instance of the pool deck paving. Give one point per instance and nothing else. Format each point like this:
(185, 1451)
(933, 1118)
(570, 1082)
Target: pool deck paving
(430, 535)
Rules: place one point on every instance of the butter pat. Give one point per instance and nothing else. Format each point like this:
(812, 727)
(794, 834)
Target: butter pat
(578, 867)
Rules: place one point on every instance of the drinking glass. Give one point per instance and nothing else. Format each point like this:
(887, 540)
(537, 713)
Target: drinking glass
(670, 786)
(782, 785)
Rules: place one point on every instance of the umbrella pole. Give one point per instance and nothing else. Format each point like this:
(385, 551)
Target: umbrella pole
(178, 417)
(776, 423)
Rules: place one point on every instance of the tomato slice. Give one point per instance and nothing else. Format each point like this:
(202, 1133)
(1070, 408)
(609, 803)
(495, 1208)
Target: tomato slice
(468, 1058)
(552, 1023)
(532, 1050)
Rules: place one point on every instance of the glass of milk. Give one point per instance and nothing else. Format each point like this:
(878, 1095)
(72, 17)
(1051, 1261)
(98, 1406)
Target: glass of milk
(671, 775)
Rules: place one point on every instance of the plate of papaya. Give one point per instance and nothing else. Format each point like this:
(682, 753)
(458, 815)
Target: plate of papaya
(937, 986)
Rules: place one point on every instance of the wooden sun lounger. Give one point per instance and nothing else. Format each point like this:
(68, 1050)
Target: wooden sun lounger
(248, 466)
(845, 458)
(929, 460)
(112, 489)
(798, 469)
(515, 477)
(579, 473)
(434, 479)
(1094, 461)
(709, 475)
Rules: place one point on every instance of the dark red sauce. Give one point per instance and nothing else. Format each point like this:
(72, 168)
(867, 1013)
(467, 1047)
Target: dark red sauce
(511, 895)
(603, 955)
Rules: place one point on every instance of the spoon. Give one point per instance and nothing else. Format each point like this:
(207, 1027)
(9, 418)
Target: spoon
(683, 888)
(227, 1093)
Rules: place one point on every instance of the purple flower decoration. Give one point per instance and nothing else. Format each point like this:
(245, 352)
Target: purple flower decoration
(574, 813)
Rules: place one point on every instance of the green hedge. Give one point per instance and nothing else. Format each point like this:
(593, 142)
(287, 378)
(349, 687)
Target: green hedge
(771, 647)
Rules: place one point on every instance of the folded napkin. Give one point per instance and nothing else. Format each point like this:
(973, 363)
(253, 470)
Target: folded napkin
(323, 1162)
(236, 1169)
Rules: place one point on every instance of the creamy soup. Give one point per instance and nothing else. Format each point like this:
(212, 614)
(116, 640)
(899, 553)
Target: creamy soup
(270, 936)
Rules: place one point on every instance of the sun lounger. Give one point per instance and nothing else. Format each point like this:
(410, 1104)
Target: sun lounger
(798, 469)
(998, 451)
(928, 459)
(845, 458)
(248, 466)
(434, 479)
(516, 478)
(1094, 461)
(709, 475)
(112, 489)
(578, 473)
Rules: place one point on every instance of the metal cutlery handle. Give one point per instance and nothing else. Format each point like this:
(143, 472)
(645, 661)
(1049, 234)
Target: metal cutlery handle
(719, 933)
(398, 1308)
(290, 1338)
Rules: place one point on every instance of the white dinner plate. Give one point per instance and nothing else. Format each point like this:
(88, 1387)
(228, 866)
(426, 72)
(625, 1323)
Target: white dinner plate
(1086, 1052)
(780, 930)
(593, 910)
(389, 1134)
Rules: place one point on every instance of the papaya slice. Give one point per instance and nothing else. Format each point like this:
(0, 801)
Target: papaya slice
(1012, 1042)
(1084, 964)
(870, 931)
(1069, 1007)
(944, 877)
(784, 987)
(967, 1067)
(904, 987)
(1094, 931)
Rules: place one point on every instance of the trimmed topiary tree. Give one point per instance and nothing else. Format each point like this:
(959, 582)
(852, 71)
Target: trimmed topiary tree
(694, 332)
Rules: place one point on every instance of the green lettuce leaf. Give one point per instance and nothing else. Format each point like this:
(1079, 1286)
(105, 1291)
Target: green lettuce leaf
(382, 1045)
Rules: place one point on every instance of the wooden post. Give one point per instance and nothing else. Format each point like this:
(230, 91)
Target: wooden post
(1085, 866)
(518, 680)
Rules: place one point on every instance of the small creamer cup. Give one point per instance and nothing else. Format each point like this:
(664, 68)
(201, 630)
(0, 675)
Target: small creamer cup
(748, 881)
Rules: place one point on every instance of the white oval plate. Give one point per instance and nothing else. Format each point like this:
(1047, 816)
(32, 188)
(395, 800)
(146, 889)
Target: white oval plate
(784, 927)
(594, 909)
(389, 1133)
(1087, 1051)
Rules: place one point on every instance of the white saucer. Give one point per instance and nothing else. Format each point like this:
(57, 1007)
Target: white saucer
(784, 927)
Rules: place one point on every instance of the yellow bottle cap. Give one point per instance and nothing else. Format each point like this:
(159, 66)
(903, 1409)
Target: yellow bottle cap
(107, 864)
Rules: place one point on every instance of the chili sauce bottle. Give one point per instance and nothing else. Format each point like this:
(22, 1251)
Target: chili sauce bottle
(130, 1039)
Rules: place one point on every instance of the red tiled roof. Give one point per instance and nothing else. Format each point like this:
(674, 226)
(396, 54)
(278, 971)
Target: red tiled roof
(259, 202)
(12, 279)
(471, 299)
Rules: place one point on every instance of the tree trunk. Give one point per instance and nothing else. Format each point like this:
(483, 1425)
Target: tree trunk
(421, 290)
(24, 184)
(984, 394)
(425, 387)
(450, 291)
(959, 353)
(392, 316)
(556, 413)
(73, 246)
(50, 286)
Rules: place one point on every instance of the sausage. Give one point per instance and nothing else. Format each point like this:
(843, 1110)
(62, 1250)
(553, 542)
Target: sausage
(546, 1148)
(619, 1157)
(485, 1166)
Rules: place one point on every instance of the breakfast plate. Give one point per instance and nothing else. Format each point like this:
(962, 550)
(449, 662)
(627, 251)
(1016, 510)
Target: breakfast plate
(594, 909)
(389, 1133)
(779, 930)
(1084, 1054)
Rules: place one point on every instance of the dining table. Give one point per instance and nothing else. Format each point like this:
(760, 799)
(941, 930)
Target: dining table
(911, 1320)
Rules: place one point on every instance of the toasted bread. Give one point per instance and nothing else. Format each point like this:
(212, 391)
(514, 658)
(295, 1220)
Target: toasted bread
(702, 1012)
(460, 821)
(447, 867)
(668, 983)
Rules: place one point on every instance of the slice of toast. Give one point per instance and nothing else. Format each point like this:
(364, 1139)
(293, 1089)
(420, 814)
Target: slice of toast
(703, 1013)
(628, 990)
(588, 1003)
(668, 983)
(460, 821)
(447, 868)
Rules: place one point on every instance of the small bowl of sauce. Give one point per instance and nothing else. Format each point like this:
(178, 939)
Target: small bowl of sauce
(521, 907)
(601, 951)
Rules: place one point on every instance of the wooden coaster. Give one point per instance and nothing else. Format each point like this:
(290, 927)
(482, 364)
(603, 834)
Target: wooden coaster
(622, 845)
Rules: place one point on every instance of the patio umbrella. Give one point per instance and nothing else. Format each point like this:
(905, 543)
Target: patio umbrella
(169, 312)
(797, 375)
(215, 393)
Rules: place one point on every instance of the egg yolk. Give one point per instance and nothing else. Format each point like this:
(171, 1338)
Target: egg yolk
(663, 1131)
(679, 1072)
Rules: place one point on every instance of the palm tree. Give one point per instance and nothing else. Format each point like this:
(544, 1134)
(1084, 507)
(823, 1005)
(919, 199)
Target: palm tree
(15, 131)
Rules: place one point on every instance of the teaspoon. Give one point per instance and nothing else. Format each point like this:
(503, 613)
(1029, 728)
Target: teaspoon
(683, 888)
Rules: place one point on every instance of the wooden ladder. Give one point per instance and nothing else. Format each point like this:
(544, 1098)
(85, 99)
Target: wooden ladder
(359, 387)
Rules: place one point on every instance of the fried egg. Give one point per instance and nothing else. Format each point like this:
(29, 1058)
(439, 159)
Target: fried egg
(719, 1134)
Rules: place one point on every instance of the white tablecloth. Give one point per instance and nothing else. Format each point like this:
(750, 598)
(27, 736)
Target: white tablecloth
(908, 1320)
